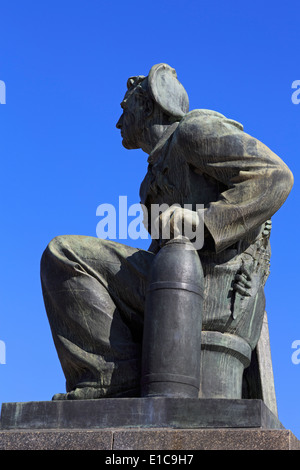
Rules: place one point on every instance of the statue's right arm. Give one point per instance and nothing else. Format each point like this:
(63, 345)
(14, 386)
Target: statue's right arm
(257, 181)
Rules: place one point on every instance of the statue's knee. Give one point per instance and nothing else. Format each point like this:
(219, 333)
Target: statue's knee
(53, 252)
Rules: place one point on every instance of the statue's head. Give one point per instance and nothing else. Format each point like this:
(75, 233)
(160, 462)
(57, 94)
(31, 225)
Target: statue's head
(156, 99)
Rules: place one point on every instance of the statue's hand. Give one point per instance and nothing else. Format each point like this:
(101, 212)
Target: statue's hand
(176, 221)
(242, 282)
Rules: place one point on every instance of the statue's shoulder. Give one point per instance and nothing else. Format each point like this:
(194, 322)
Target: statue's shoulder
(205, 123)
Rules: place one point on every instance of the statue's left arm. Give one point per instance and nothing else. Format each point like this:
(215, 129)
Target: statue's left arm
(256, 181)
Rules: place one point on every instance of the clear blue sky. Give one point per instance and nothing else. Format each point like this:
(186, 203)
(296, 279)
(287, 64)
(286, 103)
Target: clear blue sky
(65, 65)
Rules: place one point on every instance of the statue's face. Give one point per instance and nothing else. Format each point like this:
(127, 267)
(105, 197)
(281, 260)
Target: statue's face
(131, 121)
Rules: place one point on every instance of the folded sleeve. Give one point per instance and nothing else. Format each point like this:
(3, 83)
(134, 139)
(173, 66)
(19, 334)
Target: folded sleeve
(256, 181)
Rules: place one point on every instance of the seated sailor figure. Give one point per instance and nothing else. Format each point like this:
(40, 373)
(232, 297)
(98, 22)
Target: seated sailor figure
(95, 290)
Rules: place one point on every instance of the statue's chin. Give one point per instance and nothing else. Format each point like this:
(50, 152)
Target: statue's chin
(128, 145)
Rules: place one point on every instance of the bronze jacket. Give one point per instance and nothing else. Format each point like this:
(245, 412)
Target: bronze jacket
(208, 159)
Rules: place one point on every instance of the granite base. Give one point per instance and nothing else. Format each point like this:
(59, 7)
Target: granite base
(149, 440)
(143, 424)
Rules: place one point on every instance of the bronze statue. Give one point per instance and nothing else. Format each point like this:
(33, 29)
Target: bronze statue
(95, 290)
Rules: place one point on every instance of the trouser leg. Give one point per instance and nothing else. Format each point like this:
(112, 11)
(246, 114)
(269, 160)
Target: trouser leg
(94, 294)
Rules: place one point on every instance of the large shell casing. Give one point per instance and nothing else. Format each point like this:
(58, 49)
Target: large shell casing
(173, 323)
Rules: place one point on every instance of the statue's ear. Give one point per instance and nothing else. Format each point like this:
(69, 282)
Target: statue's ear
(148, 107)
(167, 91)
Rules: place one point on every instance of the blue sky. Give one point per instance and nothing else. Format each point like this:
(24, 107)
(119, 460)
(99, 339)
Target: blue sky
(65, 65)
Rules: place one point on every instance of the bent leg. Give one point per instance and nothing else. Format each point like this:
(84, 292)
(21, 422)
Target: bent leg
(94, 294)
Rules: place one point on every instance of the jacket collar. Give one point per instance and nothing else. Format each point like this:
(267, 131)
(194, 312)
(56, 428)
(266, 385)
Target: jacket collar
(166, 135)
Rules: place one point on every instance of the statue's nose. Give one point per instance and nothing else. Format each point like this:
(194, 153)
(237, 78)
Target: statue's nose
(119, 123)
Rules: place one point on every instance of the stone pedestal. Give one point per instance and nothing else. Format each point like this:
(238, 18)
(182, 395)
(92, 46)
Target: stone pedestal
(149, 440)
(143, 424)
